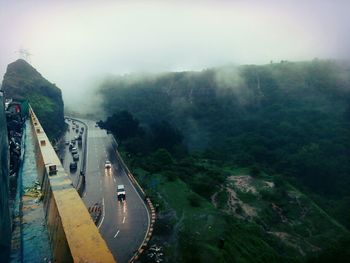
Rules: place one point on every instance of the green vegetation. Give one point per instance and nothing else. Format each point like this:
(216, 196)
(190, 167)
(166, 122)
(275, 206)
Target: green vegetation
(22, 81)
(201, 228)
(286, 125)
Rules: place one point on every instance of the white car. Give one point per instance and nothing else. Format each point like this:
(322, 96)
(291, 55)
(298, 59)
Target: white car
(121, 192)
(108, 164)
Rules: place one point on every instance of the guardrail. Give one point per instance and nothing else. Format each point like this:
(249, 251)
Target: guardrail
(73, 235)
(148, 202)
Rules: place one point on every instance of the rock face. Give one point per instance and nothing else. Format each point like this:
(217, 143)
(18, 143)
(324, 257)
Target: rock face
(22, 81)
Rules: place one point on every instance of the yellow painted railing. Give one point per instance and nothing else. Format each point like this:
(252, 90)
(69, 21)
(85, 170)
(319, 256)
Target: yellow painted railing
(74, 236)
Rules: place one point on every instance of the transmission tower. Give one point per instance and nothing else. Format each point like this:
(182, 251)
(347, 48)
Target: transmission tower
(24, 54)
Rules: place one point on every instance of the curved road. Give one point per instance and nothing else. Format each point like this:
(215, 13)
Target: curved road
(123, 225)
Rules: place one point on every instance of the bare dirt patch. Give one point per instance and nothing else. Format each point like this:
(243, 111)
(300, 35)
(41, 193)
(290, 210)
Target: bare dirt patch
(234, 205)
(269, 184)
(300, 244)
(288, 240)
(243, 183)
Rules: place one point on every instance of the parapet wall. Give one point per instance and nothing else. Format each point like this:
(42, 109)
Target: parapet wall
(73, 235)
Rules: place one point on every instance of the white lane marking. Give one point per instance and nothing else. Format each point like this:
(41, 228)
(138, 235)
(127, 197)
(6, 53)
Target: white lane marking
(142, 201)
(103, 218)
(114, 180)
(116, 234)
(124, 220)
(103, 208)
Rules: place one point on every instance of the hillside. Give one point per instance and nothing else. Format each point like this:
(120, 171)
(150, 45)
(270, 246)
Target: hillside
(22, 81)
(285, 124)
(248, 219)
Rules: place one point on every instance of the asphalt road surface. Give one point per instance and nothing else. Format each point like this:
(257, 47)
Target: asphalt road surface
(66, 155)
(123, 224)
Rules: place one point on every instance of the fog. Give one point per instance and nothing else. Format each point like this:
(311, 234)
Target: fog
(76, 44)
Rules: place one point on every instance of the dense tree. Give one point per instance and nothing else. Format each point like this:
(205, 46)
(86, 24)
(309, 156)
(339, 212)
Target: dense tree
(287, 118)
(123, 125)
(165, 136)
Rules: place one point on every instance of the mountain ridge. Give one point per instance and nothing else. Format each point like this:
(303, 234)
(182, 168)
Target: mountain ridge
(286, 123)
(23, 81)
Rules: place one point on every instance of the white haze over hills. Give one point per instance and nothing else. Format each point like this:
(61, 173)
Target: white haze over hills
(75, 44)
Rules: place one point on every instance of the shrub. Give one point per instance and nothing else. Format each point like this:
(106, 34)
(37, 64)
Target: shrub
(194, 200)
(170, 175)
(254, 171)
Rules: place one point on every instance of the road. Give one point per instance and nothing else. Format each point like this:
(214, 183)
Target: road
(123, 225)
(67, 157)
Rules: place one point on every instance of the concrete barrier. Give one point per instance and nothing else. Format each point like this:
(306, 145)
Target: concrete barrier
(73, 235)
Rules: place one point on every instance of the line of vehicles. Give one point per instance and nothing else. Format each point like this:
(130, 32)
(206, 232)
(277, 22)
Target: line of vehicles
(72, 146)
(121, 194)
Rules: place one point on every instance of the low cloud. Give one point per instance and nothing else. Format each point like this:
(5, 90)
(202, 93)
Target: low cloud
(83, 41)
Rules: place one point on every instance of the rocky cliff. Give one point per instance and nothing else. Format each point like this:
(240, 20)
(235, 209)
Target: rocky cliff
(22, 81)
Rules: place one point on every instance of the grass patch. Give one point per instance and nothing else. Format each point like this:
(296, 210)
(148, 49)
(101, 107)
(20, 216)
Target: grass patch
(206, 234)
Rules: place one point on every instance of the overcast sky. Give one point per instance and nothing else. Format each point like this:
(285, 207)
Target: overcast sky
(76, 43)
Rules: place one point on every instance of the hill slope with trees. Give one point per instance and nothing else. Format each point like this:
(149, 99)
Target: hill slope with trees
(283, 123)
(22, 81)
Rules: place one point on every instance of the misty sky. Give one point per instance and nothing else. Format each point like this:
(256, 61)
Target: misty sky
(77, 43)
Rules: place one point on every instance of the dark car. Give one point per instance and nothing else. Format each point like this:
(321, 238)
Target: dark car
(73, 166)
(76, 157)
(74, 150)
